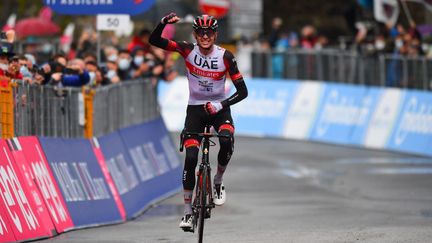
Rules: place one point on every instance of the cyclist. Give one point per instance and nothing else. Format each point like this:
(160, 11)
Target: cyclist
(206, 66)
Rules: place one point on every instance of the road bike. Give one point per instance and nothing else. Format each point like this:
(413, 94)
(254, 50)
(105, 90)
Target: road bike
(203, 199)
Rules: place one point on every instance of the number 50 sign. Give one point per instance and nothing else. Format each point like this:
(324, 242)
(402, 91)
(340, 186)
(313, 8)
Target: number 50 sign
(113, 21)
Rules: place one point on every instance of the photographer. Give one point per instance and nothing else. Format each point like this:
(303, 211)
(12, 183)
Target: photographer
(74, 74)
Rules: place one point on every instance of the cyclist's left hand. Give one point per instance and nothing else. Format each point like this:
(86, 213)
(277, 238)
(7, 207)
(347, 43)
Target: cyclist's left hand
(213, 107)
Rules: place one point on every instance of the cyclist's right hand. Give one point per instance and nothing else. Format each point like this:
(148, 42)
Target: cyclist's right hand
(170, 18)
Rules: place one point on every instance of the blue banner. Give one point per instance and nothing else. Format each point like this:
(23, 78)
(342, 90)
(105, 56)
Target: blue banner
(368, 106)
(94, 7)
(144, 164)
(413, 129)
(81, 181)
(340, 112)
(263, 112)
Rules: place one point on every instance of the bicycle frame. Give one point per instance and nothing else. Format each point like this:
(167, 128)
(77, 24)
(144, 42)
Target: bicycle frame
(203, 201)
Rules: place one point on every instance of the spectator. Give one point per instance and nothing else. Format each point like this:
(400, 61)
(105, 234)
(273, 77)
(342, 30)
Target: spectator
(141, 40)
(24, 69)
(308, 37)
(124, 65)
(140, 64)
(275, 31)
(111, 73)
(96, 76)
(87, 42)
(111, 53)
(73, 75)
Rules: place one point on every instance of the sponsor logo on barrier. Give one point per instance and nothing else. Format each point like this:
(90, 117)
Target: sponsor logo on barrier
(45, 181)
(303, 110)
(260, 105)
(82, 187)
(170, 152)
(2, 225)
(342, 110)
(124, 175)
(13, 196)
(49, 192)
(383, 119)
(416, 119)
(148, 161)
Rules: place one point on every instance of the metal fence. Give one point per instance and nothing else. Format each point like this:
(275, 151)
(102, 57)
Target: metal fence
(344, 66)
(59, 112)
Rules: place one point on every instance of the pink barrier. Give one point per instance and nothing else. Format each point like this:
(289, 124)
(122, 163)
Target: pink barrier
(6, 233)
(46, 183)
(100, 158)
(21, 205)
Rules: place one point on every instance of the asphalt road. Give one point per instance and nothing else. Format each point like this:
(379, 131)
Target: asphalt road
(290, 191)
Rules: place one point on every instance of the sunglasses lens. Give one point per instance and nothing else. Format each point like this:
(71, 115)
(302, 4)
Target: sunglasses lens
(202, 32)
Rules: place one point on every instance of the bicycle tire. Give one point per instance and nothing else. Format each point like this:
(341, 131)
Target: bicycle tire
(202, 210)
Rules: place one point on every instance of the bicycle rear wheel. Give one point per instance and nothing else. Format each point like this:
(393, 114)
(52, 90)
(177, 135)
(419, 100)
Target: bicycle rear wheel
(202, 209)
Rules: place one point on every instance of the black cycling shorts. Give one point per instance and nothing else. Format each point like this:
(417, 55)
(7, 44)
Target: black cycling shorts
(197, 118)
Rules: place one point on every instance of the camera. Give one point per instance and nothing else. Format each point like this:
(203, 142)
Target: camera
(56, 67)
(70, 71)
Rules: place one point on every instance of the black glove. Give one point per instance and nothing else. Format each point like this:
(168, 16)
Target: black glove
(170, 19)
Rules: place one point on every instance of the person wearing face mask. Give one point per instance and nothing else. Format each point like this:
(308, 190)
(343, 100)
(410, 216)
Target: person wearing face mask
(111, 72)
(124, 65)
(140, 65)
(8, 69)
(96, 77)
(24, 69)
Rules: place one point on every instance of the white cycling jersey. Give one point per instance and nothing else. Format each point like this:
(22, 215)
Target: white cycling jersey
(206, 75)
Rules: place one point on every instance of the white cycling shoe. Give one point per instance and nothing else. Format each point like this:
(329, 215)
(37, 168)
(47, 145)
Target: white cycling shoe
(186, 223)
(219, 194)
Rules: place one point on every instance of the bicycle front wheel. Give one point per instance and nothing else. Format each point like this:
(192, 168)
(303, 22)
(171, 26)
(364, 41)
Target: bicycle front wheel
(202, 209)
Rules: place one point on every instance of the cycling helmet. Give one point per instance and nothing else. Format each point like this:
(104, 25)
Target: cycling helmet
(205, 21)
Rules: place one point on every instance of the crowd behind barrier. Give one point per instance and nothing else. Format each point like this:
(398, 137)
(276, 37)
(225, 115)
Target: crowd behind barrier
(60, 112)
(335, 65)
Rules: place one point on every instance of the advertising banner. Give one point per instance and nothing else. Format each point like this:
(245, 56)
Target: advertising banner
(29, 182)
(383, 118)
(123, 173)
(93, 7)
(6, 232)
(303, 110)
(17, 200)
(342, 109)
(81, 181)
(100, 158)
(155, 161)
(413, 129)
(46, 183)
(263, 112)
(368, 105)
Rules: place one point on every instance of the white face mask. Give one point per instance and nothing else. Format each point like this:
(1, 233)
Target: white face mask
(399, 43)
(124, 64)
(138, 60)
(4, 66)
(92, 78)
(379, 45)
(25, 72)
(112, 58)
(111, 74)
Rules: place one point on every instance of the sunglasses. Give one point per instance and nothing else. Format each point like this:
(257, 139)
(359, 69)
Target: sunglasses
(202, 32)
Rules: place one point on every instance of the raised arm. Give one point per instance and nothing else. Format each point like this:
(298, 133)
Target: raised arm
(156, 38)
